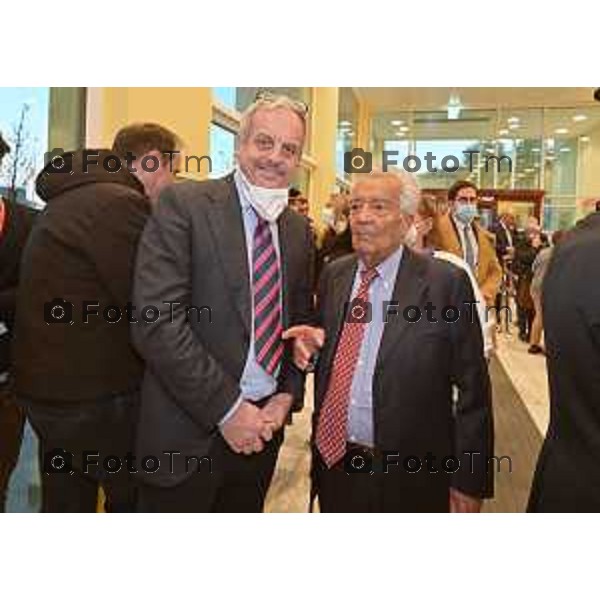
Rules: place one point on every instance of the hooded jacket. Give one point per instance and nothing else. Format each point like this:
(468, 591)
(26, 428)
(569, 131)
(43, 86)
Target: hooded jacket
(16, 226)
(80, 254)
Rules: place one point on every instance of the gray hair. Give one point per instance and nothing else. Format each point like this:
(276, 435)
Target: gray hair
(410, 192)
(268, 102)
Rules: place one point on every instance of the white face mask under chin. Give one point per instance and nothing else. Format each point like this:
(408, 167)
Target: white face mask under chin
(268, 203)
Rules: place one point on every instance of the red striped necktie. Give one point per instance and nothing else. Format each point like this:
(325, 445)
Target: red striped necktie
(333, 418)
(266, 291)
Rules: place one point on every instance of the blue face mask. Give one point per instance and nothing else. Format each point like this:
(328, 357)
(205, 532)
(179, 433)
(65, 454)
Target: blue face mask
(465, 213)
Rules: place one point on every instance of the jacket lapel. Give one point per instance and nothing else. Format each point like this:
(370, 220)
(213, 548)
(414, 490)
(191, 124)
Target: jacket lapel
(285, 250)
(408, 291)
(227, 227)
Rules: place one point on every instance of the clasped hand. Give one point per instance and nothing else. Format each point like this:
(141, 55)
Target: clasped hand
(250, 427)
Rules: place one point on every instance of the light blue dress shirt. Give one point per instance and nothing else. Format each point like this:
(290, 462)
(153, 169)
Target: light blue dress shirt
(360, 407)
(255, 383)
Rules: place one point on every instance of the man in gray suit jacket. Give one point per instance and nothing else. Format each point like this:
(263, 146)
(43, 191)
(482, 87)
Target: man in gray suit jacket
(228, 265)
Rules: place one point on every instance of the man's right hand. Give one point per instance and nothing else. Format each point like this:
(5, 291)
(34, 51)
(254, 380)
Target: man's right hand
(307, 340)
(243, 430)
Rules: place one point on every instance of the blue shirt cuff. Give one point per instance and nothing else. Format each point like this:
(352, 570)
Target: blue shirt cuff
(231, 411)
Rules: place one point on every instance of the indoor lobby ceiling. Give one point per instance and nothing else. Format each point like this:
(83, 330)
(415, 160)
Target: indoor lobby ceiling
(381, 99)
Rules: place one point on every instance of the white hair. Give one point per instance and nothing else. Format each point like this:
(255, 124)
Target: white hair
(270, 103)
(410, 192)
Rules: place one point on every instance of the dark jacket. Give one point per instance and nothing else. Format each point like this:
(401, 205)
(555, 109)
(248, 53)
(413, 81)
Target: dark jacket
(18, 221)
(522, 266)
(567, 477)
(81, 250)
(193, 252)
(417, 364)
(502, 241)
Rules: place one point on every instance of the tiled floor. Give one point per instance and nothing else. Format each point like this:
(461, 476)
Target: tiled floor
(521, 412)
(517, 436)
(529, 377)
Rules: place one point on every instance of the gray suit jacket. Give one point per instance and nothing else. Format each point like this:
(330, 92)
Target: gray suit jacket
(193, 252)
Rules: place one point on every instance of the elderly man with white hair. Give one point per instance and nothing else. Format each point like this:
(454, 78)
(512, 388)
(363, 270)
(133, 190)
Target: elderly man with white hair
(397, 330)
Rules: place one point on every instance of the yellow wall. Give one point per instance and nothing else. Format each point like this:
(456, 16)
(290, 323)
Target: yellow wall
(324, 120)
(186, 111)
(363, 134)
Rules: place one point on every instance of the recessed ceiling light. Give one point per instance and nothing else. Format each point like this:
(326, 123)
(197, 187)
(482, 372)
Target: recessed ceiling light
(565, 149)
(585, 138)
(561, 130)
(400, 133)
(345, 123)
(529, 170)
(503, 132)
(550, 157)
(514, 126)
(513, 120)
(578, 118)
(397, 123)
(405, 128)
(535, 150)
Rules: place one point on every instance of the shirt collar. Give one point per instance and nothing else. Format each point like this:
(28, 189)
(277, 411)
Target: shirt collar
(241, 190)
(388, 269)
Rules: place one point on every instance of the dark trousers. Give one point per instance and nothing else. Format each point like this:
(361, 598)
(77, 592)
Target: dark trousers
(12, 421)
(525, 319)
(342, 489)
(236, 483)
(71, 431)
(341, 492)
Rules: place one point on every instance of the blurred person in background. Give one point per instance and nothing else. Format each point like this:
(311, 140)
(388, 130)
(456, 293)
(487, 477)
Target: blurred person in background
(458, 233)
(299, 203)
(337, 238)
(525, 252)
(16, 222)
(539, 268)
(418, 239)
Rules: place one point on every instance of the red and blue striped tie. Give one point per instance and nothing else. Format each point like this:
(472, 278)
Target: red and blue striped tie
(266, 291)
